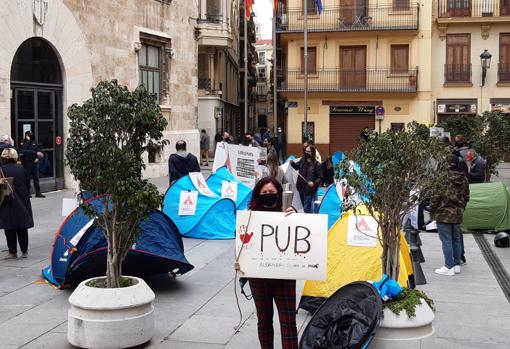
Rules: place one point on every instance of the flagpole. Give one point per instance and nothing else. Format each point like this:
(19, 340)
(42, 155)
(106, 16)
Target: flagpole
(306, 66)
(245, 68)
(275, 94)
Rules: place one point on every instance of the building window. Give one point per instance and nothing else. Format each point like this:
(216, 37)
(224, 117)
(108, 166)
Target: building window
(149, 63)
(399, 58)
(504, 57)
(312, 60)
(458, 58)
(401, 5)
(262, 58)
(397, 126)
(312, 6)
(213, 13)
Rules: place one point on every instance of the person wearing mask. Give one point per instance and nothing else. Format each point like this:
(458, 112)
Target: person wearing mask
(181, 163)
(268, 196)
(272, 169)
(282, 144)
(30, 161)
(447, 209)
(328, 172)
(204, 148)
(15, 215)
(476, 167)
(249, 140)
(309, 178)
(308, 142)
(226, 138)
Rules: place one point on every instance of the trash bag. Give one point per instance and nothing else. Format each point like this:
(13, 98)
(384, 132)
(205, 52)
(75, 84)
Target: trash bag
(347, 320)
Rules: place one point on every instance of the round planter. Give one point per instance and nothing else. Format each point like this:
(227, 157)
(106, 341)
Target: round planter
(106, 318)
(401, 332)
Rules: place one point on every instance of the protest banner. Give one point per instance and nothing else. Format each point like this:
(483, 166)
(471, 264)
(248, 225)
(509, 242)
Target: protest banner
(188, 203)
(199, 182)
(362, 231)
(240, 160)
(275, 246)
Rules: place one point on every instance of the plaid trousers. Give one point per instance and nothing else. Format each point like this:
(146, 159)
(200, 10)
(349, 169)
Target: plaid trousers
(283, 292)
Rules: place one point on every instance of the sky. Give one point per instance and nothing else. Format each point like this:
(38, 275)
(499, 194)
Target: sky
(264, 12)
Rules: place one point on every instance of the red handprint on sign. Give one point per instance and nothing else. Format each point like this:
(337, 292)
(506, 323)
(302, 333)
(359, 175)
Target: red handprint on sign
(243, 234)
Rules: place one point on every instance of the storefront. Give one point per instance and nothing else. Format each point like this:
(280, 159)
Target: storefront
(455, 107)
(500, 105)
(346, 122)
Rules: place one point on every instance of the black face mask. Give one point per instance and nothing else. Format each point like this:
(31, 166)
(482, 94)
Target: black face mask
(269, 200)
(308, 156)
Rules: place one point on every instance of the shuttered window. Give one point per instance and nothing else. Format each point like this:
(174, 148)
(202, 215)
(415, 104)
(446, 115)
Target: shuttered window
(312, 60)
(504, 57)
(458, 58)
(401, 5)
(399, 58)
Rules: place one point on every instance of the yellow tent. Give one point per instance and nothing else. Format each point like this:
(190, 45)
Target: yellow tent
(353, 255)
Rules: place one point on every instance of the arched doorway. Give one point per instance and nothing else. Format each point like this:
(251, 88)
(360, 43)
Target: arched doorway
(36, 105)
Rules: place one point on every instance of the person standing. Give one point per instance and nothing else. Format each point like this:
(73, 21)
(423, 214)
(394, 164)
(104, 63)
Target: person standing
(15, 215)
(269, 145)
(272, 169)
(282, 144)
(447, 208)
(328, 172)
(30, 162)
(476, 167)
(268, 196)
(181, 163)
(309, 179)
(226, 138)
(204, 148)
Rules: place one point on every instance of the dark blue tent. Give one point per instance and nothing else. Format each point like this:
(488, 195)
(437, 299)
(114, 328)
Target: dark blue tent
(215, 182)
(79, 250)
(214, 218)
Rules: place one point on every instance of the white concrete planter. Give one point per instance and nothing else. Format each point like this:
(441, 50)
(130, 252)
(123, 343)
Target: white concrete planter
(401, 332)
(105, 318)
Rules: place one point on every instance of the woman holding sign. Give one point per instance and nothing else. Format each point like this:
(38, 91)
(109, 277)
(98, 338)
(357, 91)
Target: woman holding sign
(267, 196)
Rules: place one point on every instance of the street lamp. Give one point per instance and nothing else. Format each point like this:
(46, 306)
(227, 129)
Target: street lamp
(485, 58)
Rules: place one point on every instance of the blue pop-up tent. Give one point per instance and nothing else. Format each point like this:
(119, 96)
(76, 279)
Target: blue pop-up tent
(215, 182)
(337, 157)
(79, 250)
(214, 218)
(331, 205)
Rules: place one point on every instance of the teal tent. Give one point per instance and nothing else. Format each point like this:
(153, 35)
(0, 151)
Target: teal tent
(488, 208)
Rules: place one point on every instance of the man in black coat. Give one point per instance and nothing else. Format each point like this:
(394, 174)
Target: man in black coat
(30, 162)
(181, 163)
(15, 215)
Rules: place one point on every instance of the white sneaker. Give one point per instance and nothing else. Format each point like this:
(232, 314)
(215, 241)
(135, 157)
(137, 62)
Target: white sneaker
(445, 271)
(456, 269)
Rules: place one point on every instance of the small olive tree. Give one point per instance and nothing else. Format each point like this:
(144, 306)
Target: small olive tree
(107, 136)
(399, 170)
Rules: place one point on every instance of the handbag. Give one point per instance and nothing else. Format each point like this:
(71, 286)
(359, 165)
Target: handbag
(6, 188)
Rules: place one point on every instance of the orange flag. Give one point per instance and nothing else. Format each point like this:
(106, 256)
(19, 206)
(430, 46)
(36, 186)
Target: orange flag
(275, 6)
(248, 4)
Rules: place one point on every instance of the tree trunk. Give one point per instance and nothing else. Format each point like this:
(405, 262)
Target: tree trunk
(114, 264)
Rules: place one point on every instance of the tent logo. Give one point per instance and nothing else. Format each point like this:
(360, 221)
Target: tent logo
(363, 226)
(230, 190)
(200, 184)
(188, 201)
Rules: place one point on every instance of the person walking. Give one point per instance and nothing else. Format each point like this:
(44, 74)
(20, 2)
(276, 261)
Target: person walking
(476, 167)
(204, 148)
(15, 215)
(30, 162)
(268, 196)
(181, 163)
(309, 179)
(447, 209)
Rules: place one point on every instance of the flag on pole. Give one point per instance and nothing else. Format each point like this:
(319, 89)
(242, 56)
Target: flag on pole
(275, 6)
(319, 6)
(248, 6)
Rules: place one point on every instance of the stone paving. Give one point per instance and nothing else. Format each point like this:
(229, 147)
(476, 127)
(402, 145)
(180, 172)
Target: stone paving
(198, 310)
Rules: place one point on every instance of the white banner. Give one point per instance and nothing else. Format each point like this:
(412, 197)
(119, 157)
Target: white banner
(362, 231)
(188, 203)
(278, 247)
(200, 184)
(220, 156)
(241, 161)
(229, 190)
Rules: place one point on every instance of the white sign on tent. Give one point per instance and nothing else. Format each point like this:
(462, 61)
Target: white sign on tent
(229, 190)
(362, 231)
(275, 246)
(198, 180)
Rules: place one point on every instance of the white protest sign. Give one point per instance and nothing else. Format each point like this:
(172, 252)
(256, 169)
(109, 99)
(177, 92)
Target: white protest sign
(200, 184)
(188, 203)
(68, 206)
(229, 190)
(220, 156)
(362, 231)
(278, 247)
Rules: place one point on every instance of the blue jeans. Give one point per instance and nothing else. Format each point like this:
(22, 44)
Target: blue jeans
(307, 201)
(451, 241)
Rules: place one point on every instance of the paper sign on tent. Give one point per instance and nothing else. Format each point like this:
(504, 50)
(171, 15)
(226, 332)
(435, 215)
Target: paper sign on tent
(188, 203)
(200, 184)
(362, 231)
(229, 190)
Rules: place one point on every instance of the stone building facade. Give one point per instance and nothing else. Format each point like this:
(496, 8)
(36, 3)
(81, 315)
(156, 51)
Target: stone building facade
(54, 51)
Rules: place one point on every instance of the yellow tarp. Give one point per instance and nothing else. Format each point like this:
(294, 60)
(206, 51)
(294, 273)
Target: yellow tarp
(347, 264)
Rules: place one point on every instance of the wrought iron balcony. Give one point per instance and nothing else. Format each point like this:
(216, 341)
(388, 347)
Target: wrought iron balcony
(457, 73)
(458, 9)
(348, 80)
(348, 19)
(504, 72)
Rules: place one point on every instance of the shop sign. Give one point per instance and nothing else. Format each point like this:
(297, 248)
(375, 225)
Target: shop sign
(456, 108)
(500, 108)
(352, 109)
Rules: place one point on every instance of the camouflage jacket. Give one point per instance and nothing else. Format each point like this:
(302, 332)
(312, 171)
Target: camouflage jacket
(449, 207)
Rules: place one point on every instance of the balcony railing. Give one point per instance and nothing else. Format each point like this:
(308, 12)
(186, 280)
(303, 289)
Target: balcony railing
(473, 8)
(347, 19)
(458, 73)
(504, 72)
(347, 80)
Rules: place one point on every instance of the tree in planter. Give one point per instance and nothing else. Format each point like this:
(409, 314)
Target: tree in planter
(399, 170)
(107, 136)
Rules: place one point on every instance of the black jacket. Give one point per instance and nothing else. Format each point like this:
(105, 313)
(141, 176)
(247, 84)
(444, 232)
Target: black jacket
(477, 171)
(179, 166)
(16, 214)
(312, 171)
(28, 151)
